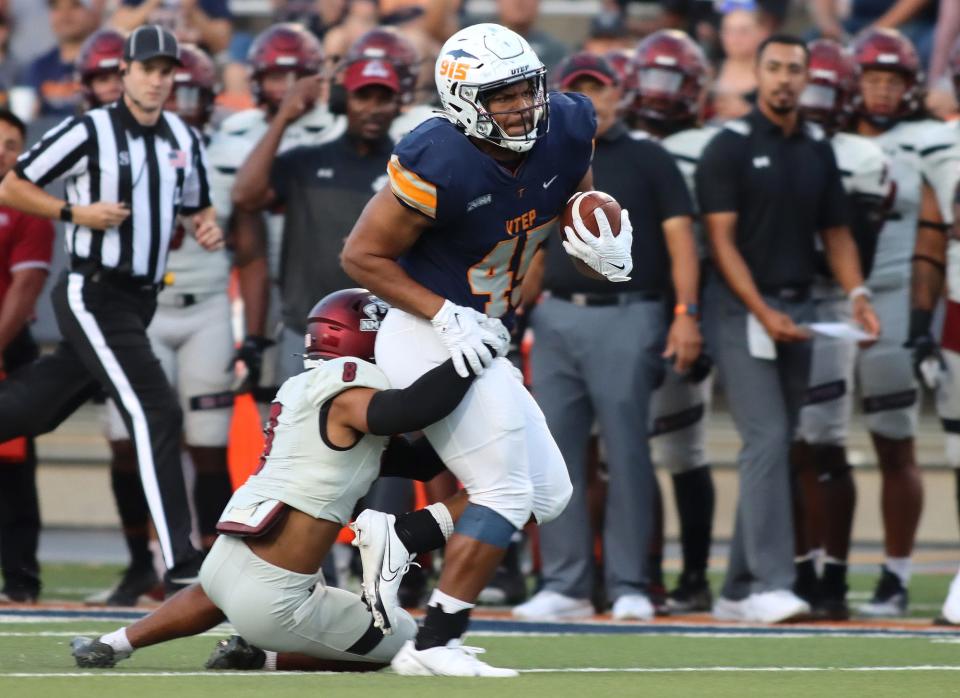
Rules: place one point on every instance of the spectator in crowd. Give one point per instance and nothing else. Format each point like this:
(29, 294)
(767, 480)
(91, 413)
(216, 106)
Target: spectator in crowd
(941, 98)
(702, 19)
(608, 32)
(26, 248)
(319, 16)
(583, 329)
(52, 76)
(202, 22)
(9, 69)
(736, 84)
(914, 18)
(767, 185)
(361, 16)
(521, 17)
(33, 36)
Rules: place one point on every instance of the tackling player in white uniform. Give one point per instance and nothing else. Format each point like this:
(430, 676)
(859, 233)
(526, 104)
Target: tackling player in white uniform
(471, 199)
(262, 573)
(824, 488)
(668, 78)
(278, 56)
(922, 158)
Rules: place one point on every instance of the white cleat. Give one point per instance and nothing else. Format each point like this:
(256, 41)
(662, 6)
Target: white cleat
(729, 609)
(776, 606)
(551, 605)
(632, 607)
(385, 560)
(453, 659)
(951, 607)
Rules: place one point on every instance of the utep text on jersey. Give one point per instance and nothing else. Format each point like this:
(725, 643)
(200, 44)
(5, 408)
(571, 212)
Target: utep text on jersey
(488, 221)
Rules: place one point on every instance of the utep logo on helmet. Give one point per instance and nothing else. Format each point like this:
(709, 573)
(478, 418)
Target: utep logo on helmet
(521, 69)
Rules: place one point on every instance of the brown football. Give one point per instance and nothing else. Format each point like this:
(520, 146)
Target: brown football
(583, 204)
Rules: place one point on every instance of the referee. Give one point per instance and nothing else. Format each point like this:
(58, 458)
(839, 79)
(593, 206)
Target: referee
(130, 169)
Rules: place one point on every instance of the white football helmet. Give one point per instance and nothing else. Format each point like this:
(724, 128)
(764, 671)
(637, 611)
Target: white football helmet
(476, 62)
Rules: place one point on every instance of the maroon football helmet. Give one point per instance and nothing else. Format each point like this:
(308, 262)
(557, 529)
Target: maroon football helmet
(100, 54)
(670, 73)
(283, 47)
(888, 49)
(194, 83)
(389, 45)
(344, 323)
(828, 97)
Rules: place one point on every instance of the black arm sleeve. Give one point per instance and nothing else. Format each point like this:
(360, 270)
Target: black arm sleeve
(429, 399)
(414, 460)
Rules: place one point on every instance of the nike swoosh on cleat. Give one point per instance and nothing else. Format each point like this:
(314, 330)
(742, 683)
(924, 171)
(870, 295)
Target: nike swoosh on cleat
(393, 572)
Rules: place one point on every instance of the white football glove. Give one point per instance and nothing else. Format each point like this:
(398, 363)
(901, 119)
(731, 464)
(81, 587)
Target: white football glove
(608, 255)
(498, 333)
(461, 333)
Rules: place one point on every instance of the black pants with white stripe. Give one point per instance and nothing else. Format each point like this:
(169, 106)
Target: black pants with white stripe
(105, 344)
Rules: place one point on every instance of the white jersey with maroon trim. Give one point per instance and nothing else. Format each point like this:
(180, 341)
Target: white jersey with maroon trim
(299, 466)
(192, 269)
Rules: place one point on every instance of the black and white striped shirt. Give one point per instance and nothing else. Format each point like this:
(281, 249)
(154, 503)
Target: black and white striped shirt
(106, 155)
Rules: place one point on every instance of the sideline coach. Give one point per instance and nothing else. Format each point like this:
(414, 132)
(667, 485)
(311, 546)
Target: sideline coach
(130, 169)
(767, 185)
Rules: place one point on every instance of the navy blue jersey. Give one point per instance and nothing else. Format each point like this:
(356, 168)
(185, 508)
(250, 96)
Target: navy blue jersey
(487, 221)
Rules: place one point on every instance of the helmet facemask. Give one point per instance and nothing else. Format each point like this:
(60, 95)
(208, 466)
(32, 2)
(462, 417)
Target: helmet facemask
(535, 117)
(661, 98)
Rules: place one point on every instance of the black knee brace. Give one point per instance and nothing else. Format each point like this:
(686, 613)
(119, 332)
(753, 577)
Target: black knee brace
(831, 462)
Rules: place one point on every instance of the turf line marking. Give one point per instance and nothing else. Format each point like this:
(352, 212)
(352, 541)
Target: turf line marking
(95, 633)
(558, 670)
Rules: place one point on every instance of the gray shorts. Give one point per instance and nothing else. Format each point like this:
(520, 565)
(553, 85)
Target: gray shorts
(283, 611)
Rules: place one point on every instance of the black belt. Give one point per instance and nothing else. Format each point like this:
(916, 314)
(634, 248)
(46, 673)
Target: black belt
(602, 299)
(121, 281)
(185, 300)
(795, 292)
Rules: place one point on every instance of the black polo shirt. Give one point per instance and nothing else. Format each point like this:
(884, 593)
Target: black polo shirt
(323, 189)
(644, 178)
(784, 190)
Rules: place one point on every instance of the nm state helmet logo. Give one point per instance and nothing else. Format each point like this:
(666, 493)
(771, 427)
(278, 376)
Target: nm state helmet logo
(375, 69)
(460, 53)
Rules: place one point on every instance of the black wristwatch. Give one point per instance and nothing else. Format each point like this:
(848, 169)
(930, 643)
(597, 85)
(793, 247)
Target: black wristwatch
(66, 213)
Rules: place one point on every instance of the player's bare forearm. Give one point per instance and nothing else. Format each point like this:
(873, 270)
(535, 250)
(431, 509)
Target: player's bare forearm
(684, 263)
(27, 197)
(250, 259)
(251, 189)
(721, 229)
(841, 253)
(900, 12)
(929, 254)
(214, 33)
(19, 303)
(385, 230)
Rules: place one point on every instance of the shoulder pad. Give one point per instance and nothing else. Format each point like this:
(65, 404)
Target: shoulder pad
(334, 376)
(740, 126)
(243, 121)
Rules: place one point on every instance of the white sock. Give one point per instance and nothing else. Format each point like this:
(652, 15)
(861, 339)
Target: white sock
(447, 603)
(442, 516)
(270, 663)
(811, 555)
(830, 560)
(118, 641)
(900, 566)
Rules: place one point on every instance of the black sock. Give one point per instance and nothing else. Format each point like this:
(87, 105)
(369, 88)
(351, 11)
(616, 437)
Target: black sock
(806, 583)
(695, 497)
(419, 532)
(834, 578)
(439, 628)
(134, 515)
(655, 569)
(211, 492)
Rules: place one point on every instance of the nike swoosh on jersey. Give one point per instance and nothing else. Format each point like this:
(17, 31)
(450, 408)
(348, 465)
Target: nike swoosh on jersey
(550, 181)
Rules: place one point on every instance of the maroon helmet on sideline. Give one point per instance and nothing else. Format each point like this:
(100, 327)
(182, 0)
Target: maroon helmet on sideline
(282, 48)
(100, 55)
(389, 45)
(671, 72)
(888, 49)
(344, 323)
(194, 86)
(831, 84)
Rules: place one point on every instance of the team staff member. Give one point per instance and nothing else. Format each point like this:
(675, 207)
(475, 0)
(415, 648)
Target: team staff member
(130, 168)
(323, 188)
(767, 184)
(583, 328)
(26, 248)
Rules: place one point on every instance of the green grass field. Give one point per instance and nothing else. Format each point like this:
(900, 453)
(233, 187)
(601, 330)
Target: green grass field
(35, 659)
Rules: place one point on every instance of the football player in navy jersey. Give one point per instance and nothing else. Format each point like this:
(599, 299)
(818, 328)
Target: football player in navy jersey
(472, 197)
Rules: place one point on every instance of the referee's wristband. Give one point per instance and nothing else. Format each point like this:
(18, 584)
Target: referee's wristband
(855, 293)
(66, 213)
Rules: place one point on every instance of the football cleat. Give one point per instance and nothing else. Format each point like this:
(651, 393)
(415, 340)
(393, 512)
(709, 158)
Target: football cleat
(632, 607)
(385, 560)
(236, 654)
(452, 659)
(690, 596)
(90, 653)
(134, 583)
(890, 598)
(777, 606)
(550, 605)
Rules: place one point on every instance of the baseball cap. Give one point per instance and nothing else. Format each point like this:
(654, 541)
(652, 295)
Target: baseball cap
(151, 41)
(373, 71)
(586, 64)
